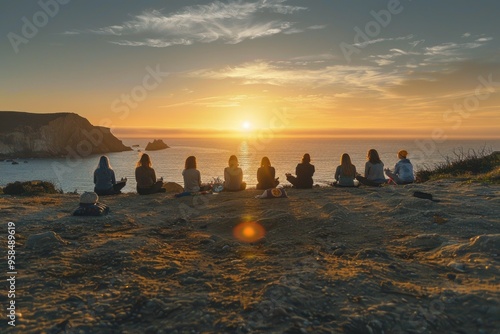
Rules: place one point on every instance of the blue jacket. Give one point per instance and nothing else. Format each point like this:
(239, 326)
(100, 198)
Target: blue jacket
(404, 170)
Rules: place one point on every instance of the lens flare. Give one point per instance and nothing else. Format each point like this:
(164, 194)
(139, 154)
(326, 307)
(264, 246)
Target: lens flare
(249, 231)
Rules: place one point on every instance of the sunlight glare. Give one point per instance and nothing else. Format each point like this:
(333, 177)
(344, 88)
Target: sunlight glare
(249, 232)
(246, 125)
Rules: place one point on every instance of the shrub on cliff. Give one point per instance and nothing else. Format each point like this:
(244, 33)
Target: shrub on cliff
(30, 188)
(482, 165)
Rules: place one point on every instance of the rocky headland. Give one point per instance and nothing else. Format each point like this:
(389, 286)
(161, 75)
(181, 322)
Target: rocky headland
(30, 135)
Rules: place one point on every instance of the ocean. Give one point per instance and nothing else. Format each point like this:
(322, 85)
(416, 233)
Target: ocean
(70, 174)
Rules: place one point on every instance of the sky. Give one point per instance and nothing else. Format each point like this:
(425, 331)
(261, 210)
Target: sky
(335, 68)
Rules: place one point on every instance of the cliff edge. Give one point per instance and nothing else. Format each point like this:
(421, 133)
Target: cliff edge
(28, 135)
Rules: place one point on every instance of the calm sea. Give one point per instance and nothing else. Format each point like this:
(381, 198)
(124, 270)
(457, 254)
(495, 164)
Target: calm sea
(212, 156)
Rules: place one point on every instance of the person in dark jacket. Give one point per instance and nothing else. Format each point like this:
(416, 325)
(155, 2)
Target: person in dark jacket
(233, 176)
(145, 177)
(104, 179)
(266, 175)
(304, 172)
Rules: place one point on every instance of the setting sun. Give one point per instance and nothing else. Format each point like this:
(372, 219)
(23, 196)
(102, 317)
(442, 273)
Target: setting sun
(246, 125)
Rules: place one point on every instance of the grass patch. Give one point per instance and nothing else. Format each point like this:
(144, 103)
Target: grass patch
(474, 165)
(31, 188)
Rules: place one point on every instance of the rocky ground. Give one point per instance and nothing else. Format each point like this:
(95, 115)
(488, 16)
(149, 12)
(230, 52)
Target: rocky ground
(367, 260)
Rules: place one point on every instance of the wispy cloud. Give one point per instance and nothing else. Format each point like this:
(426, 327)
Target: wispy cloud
(450, 49)
(231, 23)
(484, 39)
(380, 40)
(357, 78)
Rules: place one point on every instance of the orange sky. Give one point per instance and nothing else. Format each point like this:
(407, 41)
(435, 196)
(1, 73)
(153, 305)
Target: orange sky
(281, 67)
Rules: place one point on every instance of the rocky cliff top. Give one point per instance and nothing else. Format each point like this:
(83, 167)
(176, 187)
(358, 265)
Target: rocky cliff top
(24, 134)
(11, 120)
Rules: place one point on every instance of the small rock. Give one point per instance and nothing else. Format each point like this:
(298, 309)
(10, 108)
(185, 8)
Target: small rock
(457, 266)
(451, 277)
(45, 242)
(338, 252)
(190, 280)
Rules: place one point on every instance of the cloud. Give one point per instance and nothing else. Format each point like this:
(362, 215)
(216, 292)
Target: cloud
(380, 40)
(450, 49)
(458, 80)
(484, 39)
(286, 74)
(231, 23)
(317, 27)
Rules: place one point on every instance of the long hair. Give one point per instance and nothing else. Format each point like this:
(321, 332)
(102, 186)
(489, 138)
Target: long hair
(373, 156)
(233, 161)
(190, 163)
(265, 162)
(144, 161)
(306, 158)
(104, 163)
(347, 166)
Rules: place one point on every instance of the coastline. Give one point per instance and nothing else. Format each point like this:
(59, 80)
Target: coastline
(361, 260)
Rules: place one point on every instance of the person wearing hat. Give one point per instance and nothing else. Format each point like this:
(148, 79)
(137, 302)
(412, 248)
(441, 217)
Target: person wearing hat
(403, 171)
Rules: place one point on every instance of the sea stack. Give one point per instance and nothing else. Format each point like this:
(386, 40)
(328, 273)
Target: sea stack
(156, 145)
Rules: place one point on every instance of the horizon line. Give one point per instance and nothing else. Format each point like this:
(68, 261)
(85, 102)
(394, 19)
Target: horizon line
(266, 134)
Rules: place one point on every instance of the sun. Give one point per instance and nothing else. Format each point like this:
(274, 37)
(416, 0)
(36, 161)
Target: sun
(246, 125)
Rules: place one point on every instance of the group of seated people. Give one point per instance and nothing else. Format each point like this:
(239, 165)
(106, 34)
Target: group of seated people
(345, 175)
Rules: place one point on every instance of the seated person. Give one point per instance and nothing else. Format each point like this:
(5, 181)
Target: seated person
(266, 175)
(233, 176)
(104, 179)
(374, 170)
(304, 172)
(403, 171)
(192, 177)
(345, 173)
(145, 177)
